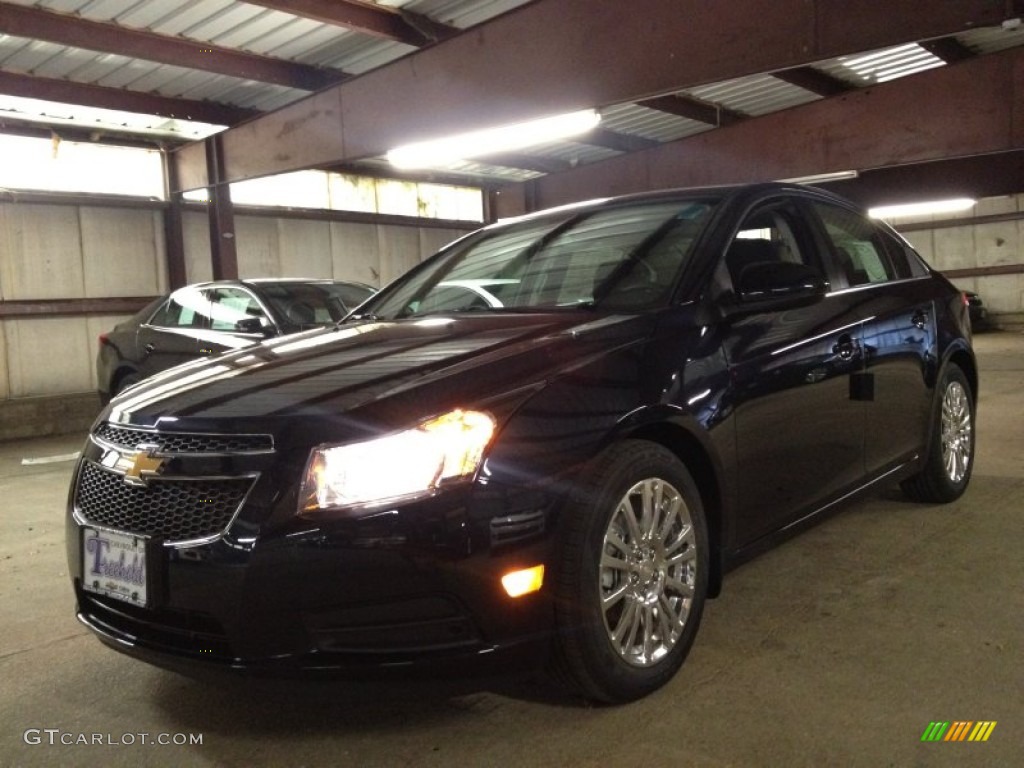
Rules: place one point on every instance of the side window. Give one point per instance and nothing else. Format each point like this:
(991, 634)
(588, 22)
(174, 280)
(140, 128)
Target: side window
(905, 260)
(186, 308)
(229, 305)
(857, 245)
(766, 235)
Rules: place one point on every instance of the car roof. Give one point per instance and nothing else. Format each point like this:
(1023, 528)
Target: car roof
(721, 192)
(256, 282)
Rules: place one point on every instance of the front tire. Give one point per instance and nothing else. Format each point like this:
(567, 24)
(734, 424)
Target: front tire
(950, 461)
(633, 575)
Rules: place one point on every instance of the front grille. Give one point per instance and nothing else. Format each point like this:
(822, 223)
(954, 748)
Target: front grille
(171, 509)
(181, 442)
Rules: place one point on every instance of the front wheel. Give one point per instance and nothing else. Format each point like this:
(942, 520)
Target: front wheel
(950, 459)
(633, 576)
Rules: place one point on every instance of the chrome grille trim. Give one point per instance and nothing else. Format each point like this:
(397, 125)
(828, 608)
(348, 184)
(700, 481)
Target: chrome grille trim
(120, 437)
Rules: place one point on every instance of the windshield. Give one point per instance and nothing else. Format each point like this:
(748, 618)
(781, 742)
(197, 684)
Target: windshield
(622, 258)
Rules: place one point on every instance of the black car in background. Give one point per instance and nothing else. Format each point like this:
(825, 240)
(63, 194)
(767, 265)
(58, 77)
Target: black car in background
(977, 311)
(658, 387)
(206, 318)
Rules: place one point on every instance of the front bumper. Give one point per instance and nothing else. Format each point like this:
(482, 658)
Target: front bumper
(416, 586)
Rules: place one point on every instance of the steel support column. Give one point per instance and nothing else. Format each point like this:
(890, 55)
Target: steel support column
(174, 235)
(220, 210)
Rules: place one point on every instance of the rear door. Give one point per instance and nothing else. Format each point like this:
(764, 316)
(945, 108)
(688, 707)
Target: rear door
(799, 432)
(171, 335)
(896, 303)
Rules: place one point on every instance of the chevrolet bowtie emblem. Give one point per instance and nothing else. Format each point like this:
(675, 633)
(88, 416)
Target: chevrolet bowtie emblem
(144, 465)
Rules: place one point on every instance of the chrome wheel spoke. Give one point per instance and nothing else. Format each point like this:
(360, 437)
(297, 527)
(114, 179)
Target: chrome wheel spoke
(632, 524)
(612, 599)
(685, 556)
(679, 587)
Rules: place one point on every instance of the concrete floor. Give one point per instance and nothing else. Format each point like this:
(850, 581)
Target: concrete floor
(835, 649)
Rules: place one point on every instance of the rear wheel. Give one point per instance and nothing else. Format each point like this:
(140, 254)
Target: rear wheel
(634, 574)
(947, 470)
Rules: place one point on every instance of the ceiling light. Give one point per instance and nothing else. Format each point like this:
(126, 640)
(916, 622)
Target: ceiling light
(921, 209)
(442, 152)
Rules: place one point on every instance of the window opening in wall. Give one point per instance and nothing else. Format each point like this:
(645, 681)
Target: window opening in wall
(350, 192)
(56, 165)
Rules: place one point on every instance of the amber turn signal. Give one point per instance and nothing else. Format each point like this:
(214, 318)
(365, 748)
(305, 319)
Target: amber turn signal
(523, 582)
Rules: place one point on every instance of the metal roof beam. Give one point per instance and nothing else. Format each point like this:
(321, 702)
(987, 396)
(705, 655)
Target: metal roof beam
(949, 49)
(64, 29)
(968, 109)
(88, 95)
(693, 109)
(813, 80)
(617, 142)
(552, 56)
(376, 20)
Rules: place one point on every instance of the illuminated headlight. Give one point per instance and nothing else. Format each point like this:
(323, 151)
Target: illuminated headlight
(399, 466)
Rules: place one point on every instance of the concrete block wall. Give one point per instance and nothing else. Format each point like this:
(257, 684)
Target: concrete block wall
(973, 246)
(80, 252)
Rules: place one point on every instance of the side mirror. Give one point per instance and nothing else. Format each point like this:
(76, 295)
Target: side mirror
(253, 325)
(778, 285)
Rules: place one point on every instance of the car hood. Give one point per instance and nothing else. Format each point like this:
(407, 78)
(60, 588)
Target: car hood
(356, 381)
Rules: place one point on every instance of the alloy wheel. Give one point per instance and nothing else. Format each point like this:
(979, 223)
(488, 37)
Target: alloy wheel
(648, 572)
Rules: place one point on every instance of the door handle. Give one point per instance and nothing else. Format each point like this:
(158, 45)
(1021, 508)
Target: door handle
(149, 348)
(919, 319)
(845, 347)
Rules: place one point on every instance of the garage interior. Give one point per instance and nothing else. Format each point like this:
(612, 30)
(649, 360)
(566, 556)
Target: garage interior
(835, 649)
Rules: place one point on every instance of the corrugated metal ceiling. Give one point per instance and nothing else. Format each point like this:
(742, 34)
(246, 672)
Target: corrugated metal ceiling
(256, 29)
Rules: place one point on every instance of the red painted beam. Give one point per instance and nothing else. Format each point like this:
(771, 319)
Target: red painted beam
(57, 307)
(554, 56)
(376, 20)
(62, 28)
(972, 108)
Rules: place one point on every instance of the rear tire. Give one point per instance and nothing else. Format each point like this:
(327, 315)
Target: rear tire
(950, 460)
(633, 574)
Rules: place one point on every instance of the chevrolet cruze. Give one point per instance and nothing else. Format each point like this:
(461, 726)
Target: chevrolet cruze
(656, 388)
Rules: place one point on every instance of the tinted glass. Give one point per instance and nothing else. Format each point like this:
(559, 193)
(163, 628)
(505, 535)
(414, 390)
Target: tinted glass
(310, 304)
(186, 308)
(230, 305)
(619, 258)
(858, 245)
(766, 235)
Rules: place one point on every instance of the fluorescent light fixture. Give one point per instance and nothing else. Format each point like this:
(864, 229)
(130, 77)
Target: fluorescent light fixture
(442, 152)
(922, 209)
(820, 178)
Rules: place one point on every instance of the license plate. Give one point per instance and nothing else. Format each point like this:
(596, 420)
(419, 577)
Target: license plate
(114, 564)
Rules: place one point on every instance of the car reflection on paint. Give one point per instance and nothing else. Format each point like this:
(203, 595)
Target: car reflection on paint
(543, 446)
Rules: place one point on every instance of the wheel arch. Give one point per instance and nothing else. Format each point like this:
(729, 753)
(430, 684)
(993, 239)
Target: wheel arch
(963, 359)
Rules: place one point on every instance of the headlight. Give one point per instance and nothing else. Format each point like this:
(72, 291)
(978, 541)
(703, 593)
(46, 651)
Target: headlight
(399, 466)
